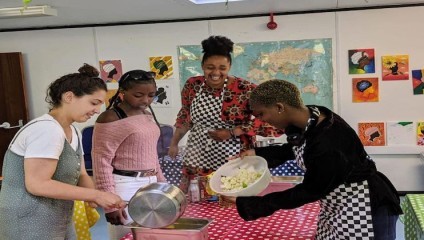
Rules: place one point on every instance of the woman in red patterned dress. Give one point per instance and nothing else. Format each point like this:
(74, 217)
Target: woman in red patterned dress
(215, 109)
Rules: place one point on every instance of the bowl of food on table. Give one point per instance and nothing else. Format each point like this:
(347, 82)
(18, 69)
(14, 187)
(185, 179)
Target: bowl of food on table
(241, 177)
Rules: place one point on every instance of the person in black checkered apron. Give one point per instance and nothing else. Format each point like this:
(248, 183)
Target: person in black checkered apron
(215, 110)
(357, 201)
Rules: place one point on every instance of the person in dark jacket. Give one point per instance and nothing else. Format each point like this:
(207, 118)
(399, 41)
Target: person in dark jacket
(357, 201)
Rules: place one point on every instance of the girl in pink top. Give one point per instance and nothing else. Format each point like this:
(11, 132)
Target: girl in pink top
(125, 144)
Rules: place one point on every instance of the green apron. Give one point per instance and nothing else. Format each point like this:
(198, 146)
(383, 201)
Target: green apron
(24, 216)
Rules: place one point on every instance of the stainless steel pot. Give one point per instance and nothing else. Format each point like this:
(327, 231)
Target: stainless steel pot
(157, 205)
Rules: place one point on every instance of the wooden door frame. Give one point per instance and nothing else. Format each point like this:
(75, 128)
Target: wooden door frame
(12, 97)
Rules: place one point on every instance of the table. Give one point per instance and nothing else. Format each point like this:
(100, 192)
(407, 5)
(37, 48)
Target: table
(295, 224)
(413, 219)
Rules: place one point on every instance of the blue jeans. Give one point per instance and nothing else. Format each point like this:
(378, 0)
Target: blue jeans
(384, 224)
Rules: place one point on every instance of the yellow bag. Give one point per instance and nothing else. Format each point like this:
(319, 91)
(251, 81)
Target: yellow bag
(84, 217)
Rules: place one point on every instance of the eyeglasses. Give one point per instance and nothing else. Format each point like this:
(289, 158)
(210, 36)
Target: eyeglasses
(139, 75)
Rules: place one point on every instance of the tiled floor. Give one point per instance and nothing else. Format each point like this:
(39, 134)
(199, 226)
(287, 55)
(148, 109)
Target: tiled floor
(100, 232)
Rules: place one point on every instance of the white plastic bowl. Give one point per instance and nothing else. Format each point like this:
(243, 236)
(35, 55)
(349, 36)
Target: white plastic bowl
(253, 163)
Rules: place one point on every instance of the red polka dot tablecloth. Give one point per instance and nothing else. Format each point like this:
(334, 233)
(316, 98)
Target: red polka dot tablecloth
(295, 224)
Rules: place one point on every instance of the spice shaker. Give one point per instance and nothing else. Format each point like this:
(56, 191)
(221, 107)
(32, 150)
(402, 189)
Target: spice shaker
(194, 190)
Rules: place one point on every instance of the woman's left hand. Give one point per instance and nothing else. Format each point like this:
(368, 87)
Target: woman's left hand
(219, 134)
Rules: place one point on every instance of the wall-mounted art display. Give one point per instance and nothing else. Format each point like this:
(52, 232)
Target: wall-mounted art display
(365, 90)
(372, 133)
(361, 61)
(400, 133)
(418, 81)
(110, 70)
(162, 66)
(164, 95)
(395, 67)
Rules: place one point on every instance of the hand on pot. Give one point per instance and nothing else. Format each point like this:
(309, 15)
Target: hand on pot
(117, 217)
(108, 200)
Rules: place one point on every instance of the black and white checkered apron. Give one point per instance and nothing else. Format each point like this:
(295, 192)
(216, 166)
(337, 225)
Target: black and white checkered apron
(346, 211)
(202, 151)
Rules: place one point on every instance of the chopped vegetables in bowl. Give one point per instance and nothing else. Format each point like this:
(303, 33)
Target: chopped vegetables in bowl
(241, 177)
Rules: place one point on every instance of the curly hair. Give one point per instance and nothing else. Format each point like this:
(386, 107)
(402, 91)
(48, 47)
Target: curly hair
(276, 91)
(85, 82)
(217, 46)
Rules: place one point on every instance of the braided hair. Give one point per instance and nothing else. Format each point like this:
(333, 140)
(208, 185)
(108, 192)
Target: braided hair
(217, 46)
(128, 80)
(85, 82)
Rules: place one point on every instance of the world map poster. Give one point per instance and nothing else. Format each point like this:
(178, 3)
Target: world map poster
(306, 63)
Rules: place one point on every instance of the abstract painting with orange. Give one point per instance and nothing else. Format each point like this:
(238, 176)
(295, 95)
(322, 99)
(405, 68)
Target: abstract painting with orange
(395, 67)
(365, 90)
(372, 133)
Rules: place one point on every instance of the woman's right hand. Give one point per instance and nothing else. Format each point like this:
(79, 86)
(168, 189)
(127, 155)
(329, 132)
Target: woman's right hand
(173, 151)
(117, 217)
(108, 200)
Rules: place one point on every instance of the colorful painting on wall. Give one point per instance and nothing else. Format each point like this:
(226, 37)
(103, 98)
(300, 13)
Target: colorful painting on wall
(420, 133)
(110, 93)
(162, 66)
(418, 81)
(400, 133)
(395, 67)
(372, 133)
(110, 70)
(365, 90)
(163, 96)
(361, 61)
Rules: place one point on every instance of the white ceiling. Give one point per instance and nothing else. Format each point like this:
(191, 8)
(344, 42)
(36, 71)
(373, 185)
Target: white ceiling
(89, 12)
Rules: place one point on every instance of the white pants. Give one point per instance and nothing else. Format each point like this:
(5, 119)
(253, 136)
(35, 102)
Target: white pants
(126, 187)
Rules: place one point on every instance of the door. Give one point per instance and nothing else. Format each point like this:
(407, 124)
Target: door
(13, 107)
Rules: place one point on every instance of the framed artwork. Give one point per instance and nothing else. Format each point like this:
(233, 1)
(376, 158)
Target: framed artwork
(418, 81)
(163, 96)
(365, 90)
(361, 61)
(400, 133)
(420, 133)
(395, 67)
(162, 66)
(110, 70)
(372, 133)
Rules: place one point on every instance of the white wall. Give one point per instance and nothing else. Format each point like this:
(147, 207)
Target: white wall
(389, 32)
(49, 54)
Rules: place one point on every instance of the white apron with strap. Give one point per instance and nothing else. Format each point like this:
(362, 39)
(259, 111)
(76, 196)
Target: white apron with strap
(202, 151)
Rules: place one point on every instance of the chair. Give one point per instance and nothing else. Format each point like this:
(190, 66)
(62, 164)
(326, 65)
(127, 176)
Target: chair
(171, 168)
(288, 168)
(166, 134)
(87, 136)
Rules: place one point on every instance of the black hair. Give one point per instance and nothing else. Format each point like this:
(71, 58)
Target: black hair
(217, 46)
(128, 80)
(85, 82)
